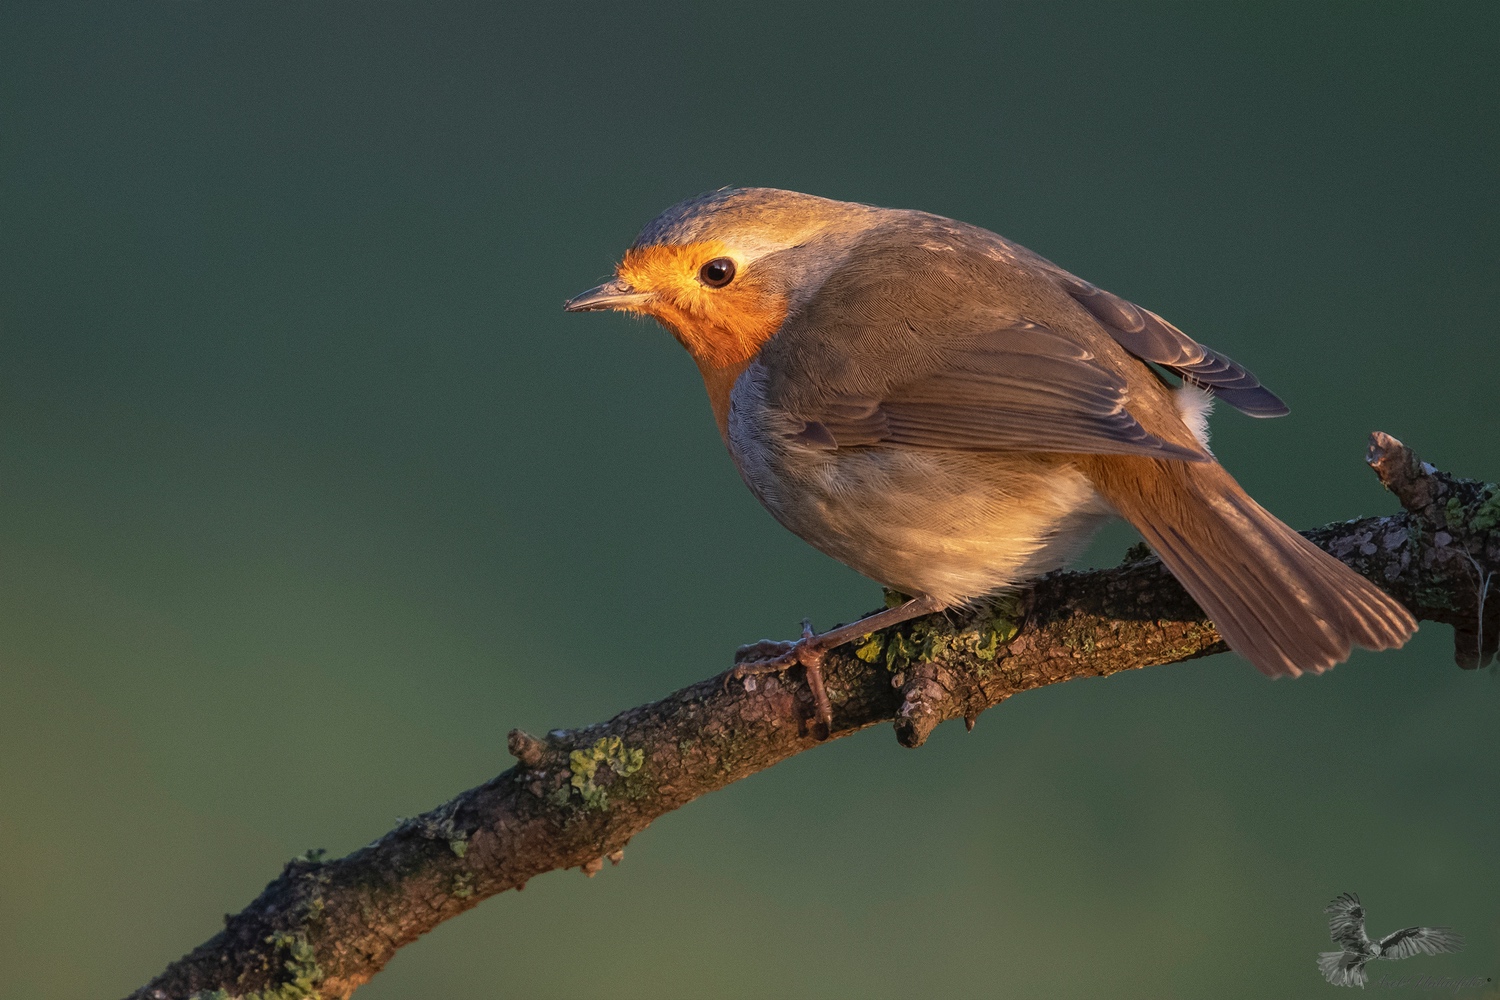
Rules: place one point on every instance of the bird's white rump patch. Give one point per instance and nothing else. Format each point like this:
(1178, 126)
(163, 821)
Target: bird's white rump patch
(1195, 405)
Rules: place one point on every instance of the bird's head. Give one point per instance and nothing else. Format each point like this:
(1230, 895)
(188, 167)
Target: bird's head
(722, 270)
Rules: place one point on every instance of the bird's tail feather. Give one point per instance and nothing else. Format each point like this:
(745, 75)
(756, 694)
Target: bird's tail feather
(1278, 600)
(1342, 968)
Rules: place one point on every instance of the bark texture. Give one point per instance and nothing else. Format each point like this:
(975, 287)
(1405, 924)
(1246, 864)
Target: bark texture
(576, 797)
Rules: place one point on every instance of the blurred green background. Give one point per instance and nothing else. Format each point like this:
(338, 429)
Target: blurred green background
(309, 491)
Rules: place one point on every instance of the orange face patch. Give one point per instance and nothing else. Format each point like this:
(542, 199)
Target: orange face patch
(720, 327)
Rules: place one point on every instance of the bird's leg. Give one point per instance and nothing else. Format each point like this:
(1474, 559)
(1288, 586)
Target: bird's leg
(770, 656)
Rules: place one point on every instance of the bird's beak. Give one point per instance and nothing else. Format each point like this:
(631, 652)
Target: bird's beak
(614, 294)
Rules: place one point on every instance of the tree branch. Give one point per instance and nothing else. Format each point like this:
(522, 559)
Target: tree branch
(576, 797)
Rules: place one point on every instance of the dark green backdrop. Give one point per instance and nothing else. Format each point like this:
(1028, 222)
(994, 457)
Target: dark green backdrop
(309, 491)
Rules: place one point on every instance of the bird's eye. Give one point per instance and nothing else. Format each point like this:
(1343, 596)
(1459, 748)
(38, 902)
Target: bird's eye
(717, 273)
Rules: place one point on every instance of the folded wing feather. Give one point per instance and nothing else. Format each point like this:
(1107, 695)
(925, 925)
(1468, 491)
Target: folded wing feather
(1153, 339)
(1020, 387)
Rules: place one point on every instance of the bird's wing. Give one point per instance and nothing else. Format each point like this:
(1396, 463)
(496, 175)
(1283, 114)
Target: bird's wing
(1016, 386)
(1411, 941)
(1346, 925)
(1153, 339)
(934, 334)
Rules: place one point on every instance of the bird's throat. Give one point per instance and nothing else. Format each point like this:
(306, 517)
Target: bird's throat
(722, 351)
(719, 381)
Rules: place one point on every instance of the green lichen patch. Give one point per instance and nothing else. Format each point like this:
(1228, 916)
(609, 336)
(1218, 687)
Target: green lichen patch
(1480, 514)
(1454, 512)
(312, 911)
(871, 648)
(993, 637)
(1081, 639)
(598, 770)
(1486, 516)
(898, 648)
(933, 639)
(298, 961)
(463, 885)
(459, 843)
(440, 825)
(996, 627)
(894, 598)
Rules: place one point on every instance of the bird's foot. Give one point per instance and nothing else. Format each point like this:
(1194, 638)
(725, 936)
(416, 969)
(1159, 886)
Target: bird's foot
(772, 657)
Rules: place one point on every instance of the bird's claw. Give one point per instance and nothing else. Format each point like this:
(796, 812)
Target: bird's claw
(762, 657)
(771, 656)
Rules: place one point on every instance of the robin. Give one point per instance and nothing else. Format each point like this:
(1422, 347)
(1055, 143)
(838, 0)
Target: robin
(952, 415)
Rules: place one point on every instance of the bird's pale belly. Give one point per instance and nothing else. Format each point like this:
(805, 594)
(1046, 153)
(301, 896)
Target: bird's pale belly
(945, 524)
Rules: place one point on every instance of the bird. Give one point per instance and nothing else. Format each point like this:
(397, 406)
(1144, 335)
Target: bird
(953, 415)
(1346, 967)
